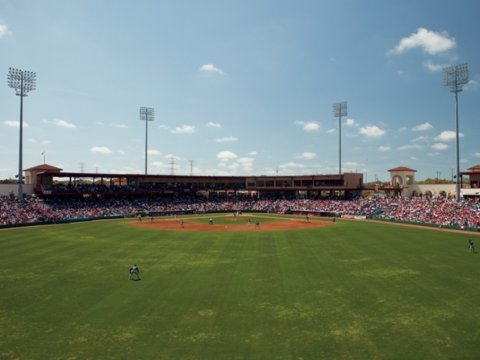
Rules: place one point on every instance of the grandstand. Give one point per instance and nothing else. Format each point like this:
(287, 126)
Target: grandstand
(49, 181)
(68, 196)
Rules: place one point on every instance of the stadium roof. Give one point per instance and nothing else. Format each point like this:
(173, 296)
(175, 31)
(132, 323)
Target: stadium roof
(475, 168)
(402, 168)
(44, 167)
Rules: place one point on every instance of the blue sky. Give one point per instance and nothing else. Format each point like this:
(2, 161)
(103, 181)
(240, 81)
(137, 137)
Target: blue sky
(240, 87)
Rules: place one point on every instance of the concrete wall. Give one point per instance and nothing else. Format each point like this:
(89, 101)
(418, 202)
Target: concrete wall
(7, 189)
(436, 189)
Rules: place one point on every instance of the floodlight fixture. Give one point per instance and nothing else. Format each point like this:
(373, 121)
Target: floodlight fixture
(339, 110)
(454, 77)
(23, 82)
(146, 114)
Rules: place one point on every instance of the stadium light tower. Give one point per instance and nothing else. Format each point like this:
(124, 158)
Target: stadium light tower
(146, 114)
(339, 110)
(455, 77)
(23, 82)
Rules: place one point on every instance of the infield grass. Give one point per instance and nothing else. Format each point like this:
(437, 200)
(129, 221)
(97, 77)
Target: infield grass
(355, 290)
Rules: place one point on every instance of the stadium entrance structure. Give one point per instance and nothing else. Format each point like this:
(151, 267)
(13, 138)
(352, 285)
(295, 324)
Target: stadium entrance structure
(471, 189)
(102, 185)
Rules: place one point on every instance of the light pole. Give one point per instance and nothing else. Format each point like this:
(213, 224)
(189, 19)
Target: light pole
(455, 77)
(23, 82)
(146, 114)
(339, 110)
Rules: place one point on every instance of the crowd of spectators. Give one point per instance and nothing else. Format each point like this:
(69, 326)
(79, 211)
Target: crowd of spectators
(439, 211)
(133, 189)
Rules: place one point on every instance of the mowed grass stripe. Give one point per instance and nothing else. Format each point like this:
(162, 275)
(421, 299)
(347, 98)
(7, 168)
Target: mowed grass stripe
(419, 300)
(353, 290)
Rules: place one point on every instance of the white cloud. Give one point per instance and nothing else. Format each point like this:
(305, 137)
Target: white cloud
(420, 139)
(32, 140)
(307, 155)
(211, 69)
(434, 67)
(163, 127)
(477, 154)
(350, 122)
(350, 164)
(60, 123)
(153, 152)
(372, 131)
(157, 164)
(448, 135)
(4, 31)
(14, 123)
(120, 126)
(402, 129)
(246, 163)
(212, 124)
(121, 152)
(223, 164)
(409, 147)
(471, 85)
(309, 125)
(226, 155)
(384, 148)
(252, 153)
(184, 129)
(423, 127)
(226, 139)
(439, 146)
(290, 165)
(172, 157)
(330, 131)
(428, 41)
(100, 150)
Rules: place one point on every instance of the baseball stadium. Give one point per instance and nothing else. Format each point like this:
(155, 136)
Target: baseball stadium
(239, 180)
(268, 267)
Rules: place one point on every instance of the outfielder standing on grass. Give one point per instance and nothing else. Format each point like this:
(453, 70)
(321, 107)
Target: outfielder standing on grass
(471, 246)
(134, 270)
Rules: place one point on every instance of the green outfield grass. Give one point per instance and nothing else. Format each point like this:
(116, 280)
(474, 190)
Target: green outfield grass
(355, 290)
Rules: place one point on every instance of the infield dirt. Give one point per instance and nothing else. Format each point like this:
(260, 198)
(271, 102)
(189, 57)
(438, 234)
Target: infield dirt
(235, 224)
